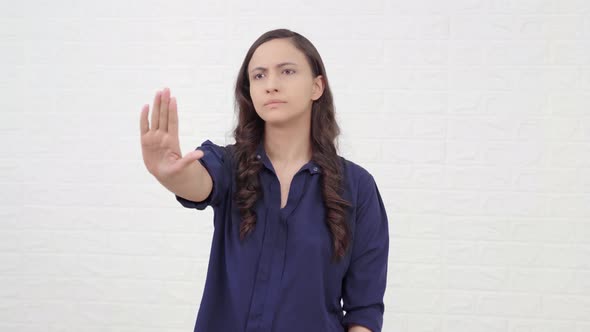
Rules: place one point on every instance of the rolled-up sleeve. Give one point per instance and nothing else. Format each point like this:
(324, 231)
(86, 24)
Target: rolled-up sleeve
(215, 162)
(365, 281)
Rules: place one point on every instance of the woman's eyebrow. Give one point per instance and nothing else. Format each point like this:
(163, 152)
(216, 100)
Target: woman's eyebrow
(282, 64)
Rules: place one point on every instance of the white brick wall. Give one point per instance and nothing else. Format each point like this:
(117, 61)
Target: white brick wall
(473, 115)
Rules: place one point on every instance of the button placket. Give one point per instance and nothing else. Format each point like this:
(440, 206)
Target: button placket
(274, 284)
(298, 186)
(261, 285)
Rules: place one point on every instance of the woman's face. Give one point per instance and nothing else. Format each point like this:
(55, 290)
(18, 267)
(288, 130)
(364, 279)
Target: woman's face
(278, 71)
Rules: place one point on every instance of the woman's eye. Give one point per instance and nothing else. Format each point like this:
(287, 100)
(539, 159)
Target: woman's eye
(290, 71)
(257, 76)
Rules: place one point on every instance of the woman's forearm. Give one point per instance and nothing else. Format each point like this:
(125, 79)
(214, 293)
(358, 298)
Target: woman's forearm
(358, 328)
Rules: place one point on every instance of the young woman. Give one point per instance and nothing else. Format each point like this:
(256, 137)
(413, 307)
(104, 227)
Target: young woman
(301, 234)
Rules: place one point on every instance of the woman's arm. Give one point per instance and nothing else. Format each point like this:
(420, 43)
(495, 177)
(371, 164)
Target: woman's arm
(358, 328)
(364, 283)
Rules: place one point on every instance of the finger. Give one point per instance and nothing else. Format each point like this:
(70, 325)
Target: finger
(173, 117)
(163, 125)
(191, 157)
(143, 119)
(156, 111)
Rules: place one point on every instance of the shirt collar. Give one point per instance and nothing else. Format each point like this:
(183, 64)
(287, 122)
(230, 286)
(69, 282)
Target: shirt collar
(312, 167)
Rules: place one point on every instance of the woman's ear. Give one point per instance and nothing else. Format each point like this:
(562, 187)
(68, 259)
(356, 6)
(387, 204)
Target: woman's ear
(318, 87)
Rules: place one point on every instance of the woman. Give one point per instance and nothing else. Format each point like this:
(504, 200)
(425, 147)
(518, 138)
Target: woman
(298, 229)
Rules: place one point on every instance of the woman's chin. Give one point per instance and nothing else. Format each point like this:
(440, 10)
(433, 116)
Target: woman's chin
(276, 121)
(274, 117)
(280, 118)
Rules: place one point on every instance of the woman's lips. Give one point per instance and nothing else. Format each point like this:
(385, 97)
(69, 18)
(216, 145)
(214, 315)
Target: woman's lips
(274, 104)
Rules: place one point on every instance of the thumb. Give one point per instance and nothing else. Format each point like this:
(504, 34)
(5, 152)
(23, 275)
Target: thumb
(191, 157)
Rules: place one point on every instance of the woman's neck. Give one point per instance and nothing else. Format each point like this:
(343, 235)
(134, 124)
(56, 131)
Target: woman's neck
(289, 145)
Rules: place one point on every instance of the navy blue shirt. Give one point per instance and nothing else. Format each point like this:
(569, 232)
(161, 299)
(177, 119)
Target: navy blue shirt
(281, 278)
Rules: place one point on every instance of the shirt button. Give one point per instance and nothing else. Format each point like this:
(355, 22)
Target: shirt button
(315, 169)
(258, 157)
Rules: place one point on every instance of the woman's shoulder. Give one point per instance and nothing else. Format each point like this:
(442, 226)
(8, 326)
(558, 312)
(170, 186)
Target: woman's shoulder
(360, 187)
(354, 172)
(358, 181)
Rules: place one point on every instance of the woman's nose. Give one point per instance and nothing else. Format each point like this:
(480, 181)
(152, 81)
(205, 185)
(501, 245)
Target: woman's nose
(271, 84)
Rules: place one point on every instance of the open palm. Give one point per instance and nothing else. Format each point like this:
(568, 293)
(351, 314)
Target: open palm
(160, 145)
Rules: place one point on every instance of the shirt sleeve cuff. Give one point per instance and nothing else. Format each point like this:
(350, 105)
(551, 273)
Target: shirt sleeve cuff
(369, 317)
(212, 160)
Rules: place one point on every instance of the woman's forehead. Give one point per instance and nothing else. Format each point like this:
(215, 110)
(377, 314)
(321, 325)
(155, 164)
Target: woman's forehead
(274, 53)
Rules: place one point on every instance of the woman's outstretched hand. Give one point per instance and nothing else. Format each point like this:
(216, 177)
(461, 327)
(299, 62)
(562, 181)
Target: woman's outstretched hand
(160, 145)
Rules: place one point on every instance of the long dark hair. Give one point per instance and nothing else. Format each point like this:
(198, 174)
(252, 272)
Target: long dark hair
(324, 131)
